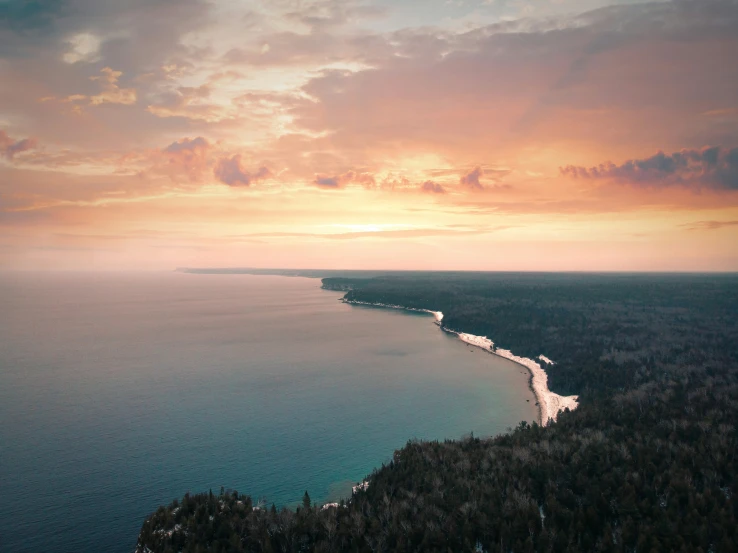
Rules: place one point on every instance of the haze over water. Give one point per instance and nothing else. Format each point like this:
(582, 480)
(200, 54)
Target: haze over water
(120, 392)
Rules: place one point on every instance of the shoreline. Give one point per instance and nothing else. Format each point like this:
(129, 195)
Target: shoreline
(437, 314)
(481, 342)
(550, 404)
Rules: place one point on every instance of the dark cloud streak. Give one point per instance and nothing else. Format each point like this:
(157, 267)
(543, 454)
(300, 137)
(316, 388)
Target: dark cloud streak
(713, 166)
(710, 225)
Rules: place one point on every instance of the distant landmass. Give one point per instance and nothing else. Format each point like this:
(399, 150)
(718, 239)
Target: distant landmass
(647, 462)
(307, 273)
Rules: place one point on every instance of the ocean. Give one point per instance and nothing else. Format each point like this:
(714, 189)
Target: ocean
(122, 391)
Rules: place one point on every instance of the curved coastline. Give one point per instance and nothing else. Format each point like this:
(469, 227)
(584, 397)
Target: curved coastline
(437, 314)
(550, 404)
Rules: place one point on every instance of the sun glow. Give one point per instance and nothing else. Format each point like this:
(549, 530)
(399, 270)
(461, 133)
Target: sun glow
(369, 227)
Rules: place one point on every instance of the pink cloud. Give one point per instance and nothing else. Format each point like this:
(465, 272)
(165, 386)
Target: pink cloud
(10, 147)
(338, 181)
(188, 145)
(190, 155)
(471, 179)
(229, 171)
(432, 187)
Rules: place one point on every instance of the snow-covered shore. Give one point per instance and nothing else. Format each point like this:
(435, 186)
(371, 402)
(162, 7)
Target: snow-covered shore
(360, 487)
(549, 403)
(436, 314)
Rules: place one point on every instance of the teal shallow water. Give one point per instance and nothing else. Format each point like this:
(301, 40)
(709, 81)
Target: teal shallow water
(120, 392)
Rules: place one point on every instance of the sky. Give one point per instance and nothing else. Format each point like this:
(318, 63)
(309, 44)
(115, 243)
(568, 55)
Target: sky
(534, 135)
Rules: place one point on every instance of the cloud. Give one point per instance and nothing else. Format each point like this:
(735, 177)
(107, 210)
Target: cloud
(10, 147)
(339, 104)
(132, 34)
(710, 225)
(189, 102)
(190, 145)
(365, 179)
(83, 47)
(330, 36)
(110, 93)
(229, 171)
(471, 179)
(328, 14)
(198, 160)
(432, 187)
(565, 82)
(317, 50)
(190, 155)
(19, 18)
(392, 182)
(23, 217)
(713, 166)
(327, 182)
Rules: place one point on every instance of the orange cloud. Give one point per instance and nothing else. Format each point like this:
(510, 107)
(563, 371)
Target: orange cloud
(190, 102)
(111, 92)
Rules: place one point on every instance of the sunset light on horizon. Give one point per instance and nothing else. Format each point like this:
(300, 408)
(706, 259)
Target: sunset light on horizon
(531, 135)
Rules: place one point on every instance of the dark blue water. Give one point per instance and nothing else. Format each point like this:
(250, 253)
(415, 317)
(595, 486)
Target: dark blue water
(120, 392)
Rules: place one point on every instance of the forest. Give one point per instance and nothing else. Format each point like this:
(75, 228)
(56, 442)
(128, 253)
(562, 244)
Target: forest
(647, 463)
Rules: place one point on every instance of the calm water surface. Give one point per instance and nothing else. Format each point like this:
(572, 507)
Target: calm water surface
(120, 392)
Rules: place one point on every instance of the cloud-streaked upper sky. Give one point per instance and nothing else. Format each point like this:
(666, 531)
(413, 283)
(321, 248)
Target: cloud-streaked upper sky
(433, 134)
